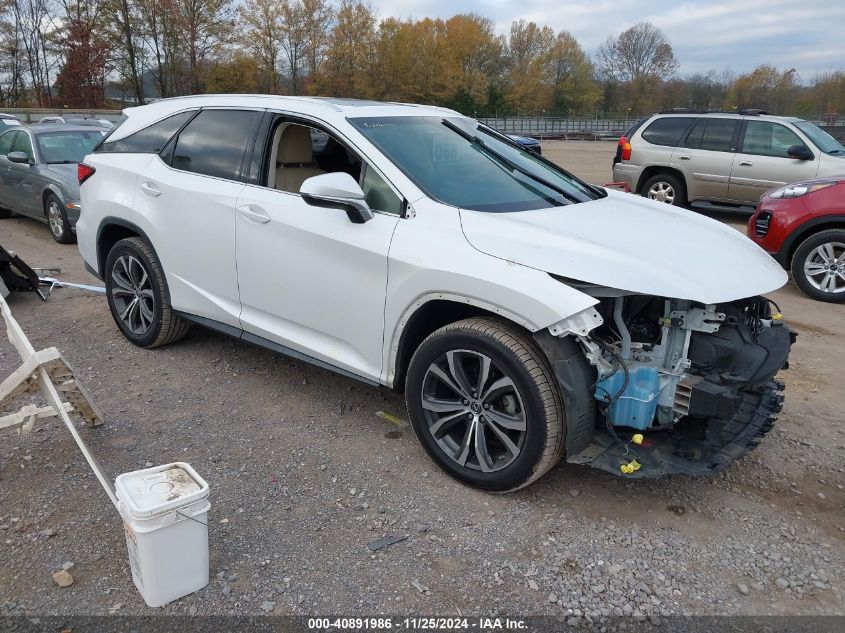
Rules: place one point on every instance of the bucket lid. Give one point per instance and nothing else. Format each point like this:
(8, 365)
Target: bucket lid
(156, 490)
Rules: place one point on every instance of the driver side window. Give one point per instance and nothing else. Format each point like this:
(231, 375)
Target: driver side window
(298, 152)
(769, 139)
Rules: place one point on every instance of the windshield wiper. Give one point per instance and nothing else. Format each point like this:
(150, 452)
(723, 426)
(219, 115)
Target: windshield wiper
(62, 162)
(507, 161)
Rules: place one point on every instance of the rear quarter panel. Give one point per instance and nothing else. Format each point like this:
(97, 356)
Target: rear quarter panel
(110, 192)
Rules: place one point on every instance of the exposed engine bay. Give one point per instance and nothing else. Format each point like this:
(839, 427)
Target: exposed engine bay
(667, 386)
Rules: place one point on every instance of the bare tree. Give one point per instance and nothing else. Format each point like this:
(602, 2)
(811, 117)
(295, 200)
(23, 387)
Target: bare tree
(294, 41)
(642, 52)
(639, 57)
(318, 17)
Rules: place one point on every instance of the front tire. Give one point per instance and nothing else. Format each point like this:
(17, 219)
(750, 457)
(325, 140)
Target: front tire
(818, 266)
(136, 291)
(665, 188)
(57, 220)
(484, 404)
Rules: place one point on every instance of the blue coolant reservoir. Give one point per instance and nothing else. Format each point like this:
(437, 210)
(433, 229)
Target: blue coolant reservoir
(637, 406)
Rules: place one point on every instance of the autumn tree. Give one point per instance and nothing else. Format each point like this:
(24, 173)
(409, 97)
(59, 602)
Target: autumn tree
(349, 66)
(475, 56)
(529, 46)
(569, 74)
(765, 87)
(81, 80)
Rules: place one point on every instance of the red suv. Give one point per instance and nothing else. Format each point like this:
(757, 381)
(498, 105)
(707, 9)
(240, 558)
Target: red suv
(802, 226)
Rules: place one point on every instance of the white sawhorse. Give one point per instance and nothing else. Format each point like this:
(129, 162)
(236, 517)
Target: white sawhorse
(46, 371)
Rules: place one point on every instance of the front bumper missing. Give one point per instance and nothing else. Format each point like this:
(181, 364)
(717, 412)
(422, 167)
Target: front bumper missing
(695, 446)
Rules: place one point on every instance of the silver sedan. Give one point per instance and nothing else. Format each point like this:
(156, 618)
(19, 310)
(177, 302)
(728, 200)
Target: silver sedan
(38, 173)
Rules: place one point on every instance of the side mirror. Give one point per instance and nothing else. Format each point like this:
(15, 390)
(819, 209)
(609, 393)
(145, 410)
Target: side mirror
(338, 189)
(18, 157)
(800, 152)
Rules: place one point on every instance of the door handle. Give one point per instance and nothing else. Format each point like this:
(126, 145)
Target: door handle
(745, 163)
(254, 214)
(150, 189)
(684, 157)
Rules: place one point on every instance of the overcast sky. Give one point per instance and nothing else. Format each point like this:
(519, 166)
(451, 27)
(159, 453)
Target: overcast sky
(808, 35)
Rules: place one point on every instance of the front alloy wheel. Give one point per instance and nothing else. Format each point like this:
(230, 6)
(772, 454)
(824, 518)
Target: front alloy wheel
(473, 410)
(484, 403)
(824, 267)
(818, 266)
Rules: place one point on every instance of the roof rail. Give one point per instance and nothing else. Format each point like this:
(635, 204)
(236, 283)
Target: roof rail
(681, 111)
(740, 111)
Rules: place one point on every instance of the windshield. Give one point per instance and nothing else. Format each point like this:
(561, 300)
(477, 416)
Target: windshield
(66, 147)
(464, 164)
(824, 141)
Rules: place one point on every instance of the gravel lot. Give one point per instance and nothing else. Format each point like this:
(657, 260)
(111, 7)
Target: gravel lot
(304, 475)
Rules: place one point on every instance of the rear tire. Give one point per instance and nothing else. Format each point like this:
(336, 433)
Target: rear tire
(818, 266)
(499, 425)
(666, 188)
(137, 295)
(5, 213)
(57, 221)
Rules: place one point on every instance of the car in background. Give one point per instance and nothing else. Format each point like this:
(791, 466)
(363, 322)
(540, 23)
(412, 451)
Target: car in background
(38, 174)
(802, 226)
(527, 142)
(8, 120)
(719, 160)
(77, 120)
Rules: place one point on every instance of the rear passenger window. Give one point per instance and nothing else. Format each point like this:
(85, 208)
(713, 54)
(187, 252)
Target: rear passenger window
(150, 140)
(715, 135)
(667, 131)
(214, 143)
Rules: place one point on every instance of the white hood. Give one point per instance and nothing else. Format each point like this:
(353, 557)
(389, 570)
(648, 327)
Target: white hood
(630, 243)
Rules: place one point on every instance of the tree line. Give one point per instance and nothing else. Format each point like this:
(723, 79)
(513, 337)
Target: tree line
(106, 53)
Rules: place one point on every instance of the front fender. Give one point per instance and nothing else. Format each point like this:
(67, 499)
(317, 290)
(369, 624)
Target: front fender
(430, 259)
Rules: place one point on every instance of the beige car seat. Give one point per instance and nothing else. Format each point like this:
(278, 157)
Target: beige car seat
(295, 159)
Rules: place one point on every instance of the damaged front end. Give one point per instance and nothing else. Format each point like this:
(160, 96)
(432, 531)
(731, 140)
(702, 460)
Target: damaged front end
(655, 386)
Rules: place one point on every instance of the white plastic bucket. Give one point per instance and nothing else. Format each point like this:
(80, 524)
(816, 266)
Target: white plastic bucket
(165, 510)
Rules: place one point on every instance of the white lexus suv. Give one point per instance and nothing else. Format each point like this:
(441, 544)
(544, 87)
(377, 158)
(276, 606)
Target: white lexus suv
(526, 314)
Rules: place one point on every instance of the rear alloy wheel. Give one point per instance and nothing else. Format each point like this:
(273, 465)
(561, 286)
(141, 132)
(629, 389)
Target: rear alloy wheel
(136, 291)
(57, 220)
(484, 404)
(665, 188)
(818, 266)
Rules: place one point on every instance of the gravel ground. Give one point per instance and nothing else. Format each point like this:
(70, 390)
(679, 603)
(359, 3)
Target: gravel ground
(305, 476)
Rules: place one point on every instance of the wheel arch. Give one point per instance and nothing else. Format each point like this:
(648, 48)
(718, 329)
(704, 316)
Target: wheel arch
(50, 189)
(653, 170)
(110, 232)
(429, 314)
(805, 231)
